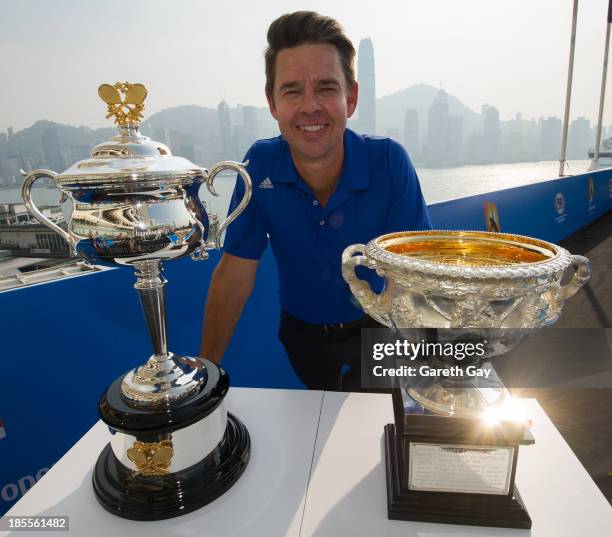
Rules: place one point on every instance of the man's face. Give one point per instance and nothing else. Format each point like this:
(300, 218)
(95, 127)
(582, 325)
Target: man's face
(311, 101)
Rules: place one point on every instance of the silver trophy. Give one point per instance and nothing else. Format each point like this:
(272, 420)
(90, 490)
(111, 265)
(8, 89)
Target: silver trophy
(136, 204)
(493, 289)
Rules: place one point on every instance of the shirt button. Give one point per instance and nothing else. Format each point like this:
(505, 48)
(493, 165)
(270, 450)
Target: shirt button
(322, 222)
(315, 202)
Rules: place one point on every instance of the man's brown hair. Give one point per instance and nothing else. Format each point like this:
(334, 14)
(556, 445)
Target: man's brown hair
(307, 27)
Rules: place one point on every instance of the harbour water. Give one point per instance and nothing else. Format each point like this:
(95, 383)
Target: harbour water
(438, 184)
(442, 184)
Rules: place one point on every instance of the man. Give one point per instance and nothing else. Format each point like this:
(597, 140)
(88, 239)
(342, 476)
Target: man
(317, 188)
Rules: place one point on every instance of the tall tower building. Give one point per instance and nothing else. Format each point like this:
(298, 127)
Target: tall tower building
(550, 138)
(367, 87)
(490, 130)
(579, 138)
(437, 131)
(223, 115)
(251, 126)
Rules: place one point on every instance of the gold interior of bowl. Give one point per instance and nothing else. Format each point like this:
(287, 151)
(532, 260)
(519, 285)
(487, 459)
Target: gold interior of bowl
(475, 249)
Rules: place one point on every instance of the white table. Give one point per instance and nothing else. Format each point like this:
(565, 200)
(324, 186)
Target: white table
(347, 494)
(339, 491)
(267, 500)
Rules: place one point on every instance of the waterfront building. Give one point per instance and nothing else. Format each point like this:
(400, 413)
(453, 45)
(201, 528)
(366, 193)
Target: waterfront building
(437, 130)
(411, 133)
(51, 149)
(10, 168)
(550, 138)
(491, 132)
(367, 87)
(251, 125)
(185, 146)
(579, 138)
(223, 117)
(455, 139)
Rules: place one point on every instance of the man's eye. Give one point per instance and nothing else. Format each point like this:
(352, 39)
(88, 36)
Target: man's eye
(291, 92)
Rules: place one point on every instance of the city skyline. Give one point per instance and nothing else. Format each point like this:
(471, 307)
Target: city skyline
(467, 50)
(203, 136)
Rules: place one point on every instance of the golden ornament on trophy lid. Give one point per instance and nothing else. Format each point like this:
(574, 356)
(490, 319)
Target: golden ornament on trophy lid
(125, 101)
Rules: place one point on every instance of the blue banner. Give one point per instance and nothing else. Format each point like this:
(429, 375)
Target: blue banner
(67, 340)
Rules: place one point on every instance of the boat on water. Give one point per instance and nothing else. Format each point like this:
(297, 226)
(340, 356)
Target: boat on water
(605, 154)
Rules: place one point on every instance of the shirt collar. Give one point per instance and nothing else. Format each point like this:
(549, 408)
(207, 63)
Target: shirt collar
(355, 169)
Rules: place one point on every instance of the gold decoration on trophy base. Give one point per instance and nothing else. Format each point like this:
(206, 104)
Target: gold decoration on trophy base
(151, 458)
(125, 101)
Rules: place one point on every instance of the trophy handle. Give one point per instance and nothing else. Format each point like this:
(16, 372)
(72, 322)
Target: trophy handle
(581, 275)
(248, 190)
(26, 194)
(353, 256)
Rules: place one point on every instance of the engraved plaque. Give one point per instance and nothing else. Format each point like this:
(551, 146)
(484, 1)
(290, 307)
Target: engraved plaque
(460, 468)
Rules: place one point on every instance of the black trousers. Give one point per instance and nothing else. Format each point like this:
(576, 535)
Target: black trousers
(325, 357)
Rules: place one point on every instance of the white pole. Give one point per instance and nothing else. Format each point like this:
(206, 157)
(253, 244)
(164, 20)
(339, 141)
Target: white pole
(593, 165)
(568, 94)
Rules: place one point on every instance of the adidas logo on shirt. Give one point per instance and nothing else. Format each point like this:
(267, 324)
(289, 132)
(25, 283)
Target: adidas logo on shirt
(266, 183)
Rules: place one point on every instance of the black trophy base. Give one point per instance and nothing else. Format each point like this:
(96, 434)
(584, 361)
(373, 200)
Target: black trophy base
(135, 496)
(447, 507)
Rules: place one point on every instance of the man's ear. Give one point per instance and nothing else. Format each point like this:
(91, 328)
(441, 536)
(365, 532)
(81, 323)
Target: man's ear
(271, 106)
(351, 100)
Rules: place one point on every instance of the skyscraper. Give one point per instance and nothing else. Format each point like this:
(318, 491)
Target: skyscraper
(437, 129)
(579, 138)
(251, 125)
(367, 87)
(455, 138)
(223, 115)
(550, 138)
(490, 130)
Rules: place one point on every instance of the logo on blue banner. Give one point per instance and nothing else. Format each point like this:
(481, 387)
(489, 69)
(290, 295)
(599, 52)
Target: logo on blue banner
(591, 207)
(11, 491)
(2, 430)
(560, 207)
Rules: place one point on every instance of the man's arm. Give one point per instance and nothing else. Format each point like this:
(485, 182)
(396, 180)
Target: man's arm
(230, 287)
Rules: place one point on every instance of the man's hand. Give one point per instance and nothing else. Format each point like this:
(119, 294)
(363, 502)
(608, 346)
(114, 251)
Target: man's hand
(230, 287)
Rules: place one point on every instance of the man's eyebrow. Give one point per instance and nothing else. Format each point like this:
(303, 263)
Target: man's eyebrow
(289, 85)
(328, 82)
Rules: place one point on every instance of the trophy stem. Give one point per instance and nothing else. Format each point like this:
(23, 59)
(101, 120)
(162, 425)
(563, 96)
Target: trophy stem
(151, 287)
(166, 376)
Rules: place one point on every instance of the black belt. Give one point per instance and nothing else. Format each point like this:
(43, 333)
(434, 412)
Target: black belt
(323, 330)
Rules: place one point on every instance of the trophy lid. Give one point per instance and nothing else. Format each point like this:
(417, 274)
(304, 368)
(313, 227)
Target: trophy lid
(128, 158)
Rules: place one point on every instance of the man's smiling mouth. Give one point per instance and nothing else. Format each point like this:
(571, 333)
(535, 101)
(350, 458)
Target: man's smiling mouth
(311, 128)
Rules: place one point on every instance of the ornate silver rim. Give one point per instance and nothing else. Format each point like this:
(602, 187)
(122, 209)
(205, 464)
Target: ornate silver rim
(131, 179)
(559, 262)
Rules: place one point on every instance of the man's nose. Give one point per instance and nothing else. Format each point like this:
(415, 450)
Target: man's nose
(310, 104)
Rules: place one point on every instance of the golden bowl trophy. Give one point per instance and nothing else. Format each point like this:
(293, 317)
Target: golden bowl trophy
(172, 446)
(451, 454)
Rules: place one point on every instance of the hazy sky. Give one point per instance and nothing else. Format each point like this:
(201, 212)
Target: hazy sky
(513, 55)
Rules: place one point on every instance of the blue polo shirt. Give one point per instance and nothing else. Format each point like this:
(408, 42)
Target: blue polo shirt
(378, 192)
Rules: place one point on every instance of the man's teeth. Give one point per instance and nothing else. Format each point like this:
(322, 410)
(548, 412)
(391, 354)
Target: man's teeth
(311, 128)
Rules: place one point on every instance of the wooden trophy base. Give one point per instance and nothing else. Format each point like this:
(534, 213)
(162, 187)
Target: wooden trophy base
(506, 511)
